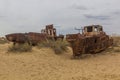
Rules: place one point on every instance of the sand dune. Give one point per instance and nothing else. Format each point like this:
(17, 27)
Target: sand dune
(43, 64)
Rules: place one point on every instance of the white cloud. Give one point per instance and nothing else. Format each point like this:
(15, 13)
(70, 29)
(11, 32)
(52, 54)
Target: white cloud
(32, 15)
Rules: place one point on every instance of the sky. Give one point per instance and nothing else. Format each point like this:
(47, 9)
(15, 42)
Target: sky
(19, 16)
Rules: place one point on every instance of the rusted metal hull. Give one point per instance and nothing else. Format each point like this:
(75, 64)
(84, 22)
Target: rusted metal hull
(30, 38)
(16, 38)
(88, 44)
(34, 38)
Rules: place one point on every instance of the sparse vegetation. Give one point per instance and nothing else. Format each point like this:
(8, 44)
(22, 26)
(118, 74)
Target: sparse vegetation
(3, 41)
(116, 43)
(20, 48)
(116, 49)
(58, 46)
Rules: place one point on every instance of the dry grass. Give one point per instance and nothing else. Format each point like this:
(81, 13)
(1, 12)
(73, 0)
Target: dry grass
(116, 49)
(43, 64)
(58, 46)
(116, 41)
(20, 48)
(3, 41)
(116, 44)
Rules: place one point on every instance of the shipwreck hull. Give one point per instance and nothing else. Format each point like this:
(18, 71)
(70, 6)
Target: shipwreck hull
(89, 42)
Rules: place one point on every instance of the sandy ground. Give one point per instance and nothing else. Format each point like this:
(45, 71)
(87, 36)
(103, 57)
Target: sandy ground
(43, 64)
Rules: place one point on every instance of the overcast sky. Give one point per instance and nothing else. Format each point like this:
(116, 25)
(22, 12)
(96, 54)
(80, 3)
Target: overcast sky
(33, 15)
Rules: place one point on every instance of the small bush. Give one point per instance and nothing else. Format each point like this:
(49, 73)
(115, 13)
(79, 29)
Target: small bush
(116, 49)
(20, 48)
(58, 46)
(3, 41)
(116, 41)
(45, 44)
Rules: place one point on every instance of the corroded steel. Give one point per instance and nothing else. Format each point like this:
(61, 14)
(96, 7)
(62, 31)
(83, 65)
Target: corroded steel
(92, 40)
(16, 38)
(51, 32)
(34, 38)
(31, 37)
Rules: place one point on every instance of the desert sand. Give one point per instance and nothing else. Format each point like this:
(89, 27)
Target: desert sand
(43, 64)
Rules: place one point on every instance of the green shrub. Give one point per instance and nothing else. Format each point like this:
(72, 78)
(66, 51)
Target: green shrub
(20, 48)
(58, 46)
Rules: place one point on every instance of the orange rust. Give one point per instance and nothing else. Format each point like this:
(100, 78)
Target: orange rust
(92, 40)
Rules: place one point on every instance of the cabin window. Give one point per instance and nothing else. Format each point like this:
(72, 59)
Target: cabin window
(50, 32)
(101, 29)
(89, 29)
